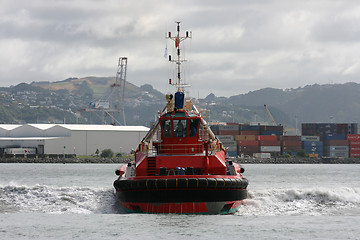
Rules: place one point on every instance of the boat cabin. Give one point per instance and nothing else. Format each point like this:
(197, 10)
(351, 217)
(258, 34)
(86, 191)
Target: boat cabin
(180, 133)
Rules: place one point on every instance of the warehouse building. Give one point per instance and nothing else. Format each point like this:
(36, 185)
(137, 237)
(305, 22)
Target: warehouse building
(78, 139)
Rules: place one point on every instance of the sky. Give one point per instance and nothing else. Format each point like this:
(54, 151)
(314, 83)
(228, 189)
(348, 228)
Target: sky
(237, 46)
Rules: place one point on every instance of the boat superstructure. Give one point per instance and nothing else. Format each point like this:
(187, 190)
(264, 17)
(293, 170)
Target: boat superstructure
(180, 165)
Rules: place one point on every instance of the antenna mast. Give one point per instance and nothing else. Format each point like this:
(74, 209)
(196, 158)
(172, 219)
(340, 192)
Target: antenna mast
(178, 39)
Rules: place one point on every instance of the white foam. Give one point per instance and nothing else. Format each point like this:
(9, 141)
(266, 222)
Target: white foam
(312, 201)
(87, 200)
(50, 199)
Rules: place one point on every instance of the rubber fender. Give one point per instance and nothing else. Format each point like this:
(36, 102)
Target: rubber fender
(239, 183)
(228, 182)
(133, 184)
(192, 183)
(121, 184)
(212, 183)
(182, 183)
(151, 184)
(171, 183)
(203, 183)
(161, 183)
(115, 184)
(220, 183)
(245, 183)
(234, 183)
(141, 184)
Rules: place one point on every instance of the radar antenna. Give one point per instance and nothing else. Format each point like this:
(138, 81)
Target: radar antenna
(178, 39)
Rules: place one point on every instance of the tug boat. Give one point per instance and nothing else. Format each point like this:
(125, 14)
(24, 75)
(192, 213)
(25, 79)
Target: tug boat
(180, 165)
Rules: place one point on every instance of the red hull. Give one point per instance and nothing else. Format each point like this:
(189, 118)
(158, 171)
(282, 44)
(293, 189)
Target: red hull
(183, 208)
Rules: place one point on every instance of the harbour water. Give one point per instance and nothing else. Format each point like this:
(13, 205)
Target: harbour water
(76, 201)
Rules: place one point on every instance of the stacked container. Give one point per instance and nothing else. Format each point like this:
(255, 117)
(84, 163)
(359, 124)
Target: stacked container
(269, 144)
(314, 148)
(354, 145)
(249, 130)
(248, 147)
(290, 144)
(313, 129)
(228, 130)
(271, 130)
(336, 145)
(229, 144)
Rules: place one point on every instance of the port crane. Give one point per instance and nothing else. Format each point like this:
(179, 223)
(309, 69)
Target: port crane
(274, 123)
(270, 115)
(111, 103)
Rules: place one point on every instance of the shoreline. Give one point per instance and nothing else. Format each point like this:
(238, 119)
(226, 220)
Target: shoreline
(122, 160)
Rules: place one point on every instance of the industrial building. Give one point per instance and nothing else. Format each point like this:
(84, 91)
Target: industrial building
(77, 139)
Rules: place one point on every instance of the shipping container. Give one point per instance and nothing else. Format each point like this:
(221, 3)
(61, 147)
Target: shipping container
(248, 143)
(327, 137)
(270, 149)
(268, 138)
(229, 128)
(355, 154)
(245, 137)
(353, 149)
(272, 128)
(291, 138)
(310, 138)
(313, 147)
(354, 143)
(342, 128)
(269, 143)
(228, 132)
(225, 137)
(277, 133)
(336, 143)
(337, 148)
(246, 127)
(339, 154)
(290, 143)
(229, 143)
(353, 137)
(249, 132)
(312, 143)
(231, 153)
(248, 149)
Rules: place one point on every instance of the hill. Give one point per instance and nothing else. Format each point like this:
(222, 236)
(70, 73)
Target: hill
(60, 101)
(312, 103)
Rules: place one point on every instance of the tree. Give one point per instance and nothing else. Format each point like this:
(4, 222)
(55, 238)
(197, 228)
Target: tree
(97, 152)
(107, 153)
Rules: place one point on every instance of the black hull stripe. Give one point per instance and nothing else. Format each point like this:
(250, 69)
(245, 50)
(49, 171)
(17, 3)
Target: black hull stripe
(182, 195)
(181, 183)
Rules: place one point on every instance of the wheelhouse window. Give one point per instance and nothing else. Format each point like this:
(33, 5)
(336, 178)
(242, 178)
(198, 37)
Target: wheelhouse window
(180, 127)
(166, 126)
(193, 127)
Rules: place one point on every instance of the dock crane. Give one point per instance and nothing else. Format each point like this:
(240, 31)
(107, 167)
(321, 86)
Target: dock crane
(270, 116)
(274, 123)
(112, 103)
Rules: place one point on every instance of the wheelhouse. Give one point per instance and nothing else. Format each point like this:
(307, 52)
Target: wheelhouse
(180, 133)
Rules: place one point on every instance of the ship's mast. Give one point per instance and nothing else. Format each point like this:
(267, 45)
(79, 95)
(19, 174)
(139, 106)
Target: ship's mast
(178, 39)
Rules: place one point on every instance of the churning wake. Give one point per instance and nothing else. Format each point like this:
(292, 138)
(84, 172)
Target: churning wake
(87, 200)
(312, 201)
(51, 199)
